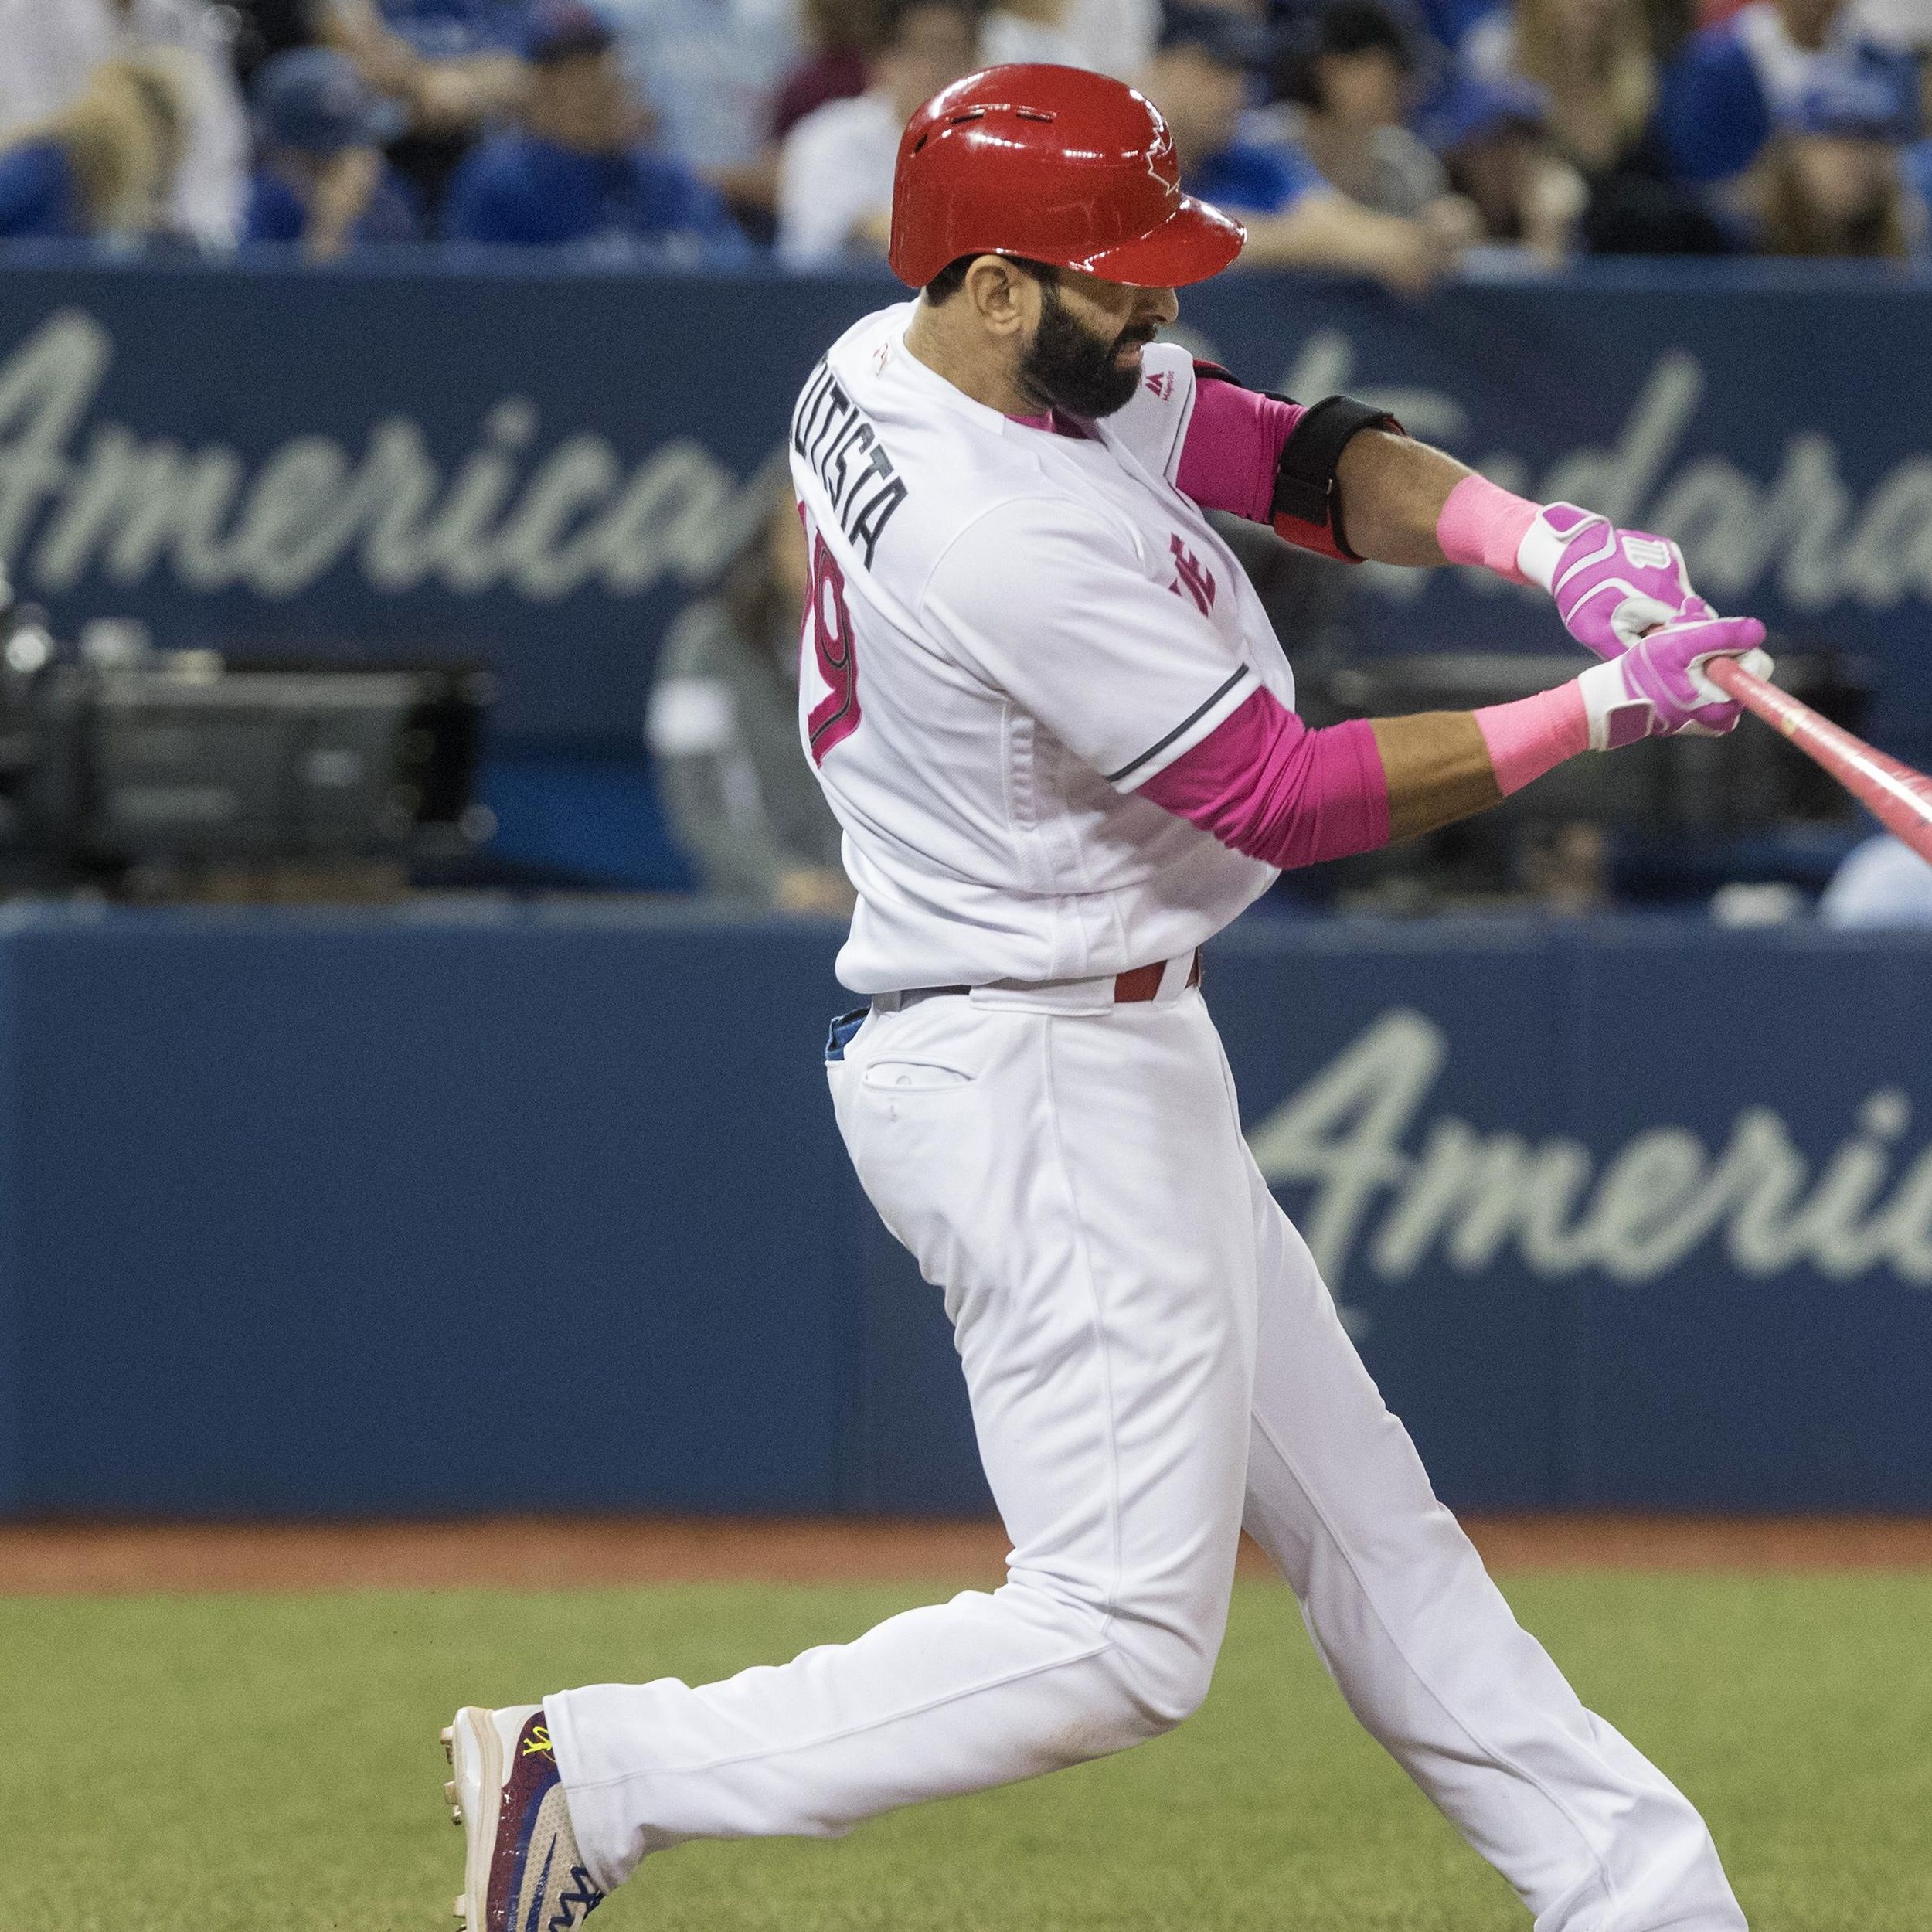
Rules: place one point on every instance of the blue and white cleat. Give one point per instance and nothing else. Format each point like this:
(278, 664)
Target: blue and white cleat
(522, 1872)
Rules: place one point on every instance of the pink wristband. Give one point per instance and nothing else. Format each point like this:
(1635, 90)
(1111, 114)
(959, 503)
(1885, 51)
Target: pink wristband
(1534, 734)
(1482, 525)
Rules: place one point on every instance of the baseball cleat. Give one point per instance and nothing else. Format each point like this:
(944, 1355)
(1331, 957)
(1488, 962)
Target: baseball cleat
(522, 1872)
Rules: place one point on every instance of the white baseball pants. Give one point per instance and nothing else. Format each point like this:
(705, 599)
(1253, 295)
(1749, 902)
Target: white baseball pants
(1153, 1362)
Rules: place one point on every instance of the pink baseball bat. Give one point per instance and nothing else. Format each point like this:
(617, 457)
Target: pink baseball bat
(1901, 798)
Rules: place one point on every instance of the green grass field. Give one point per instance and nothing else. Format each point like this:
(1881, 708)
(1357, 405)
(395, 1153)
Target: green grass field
(263, 1764)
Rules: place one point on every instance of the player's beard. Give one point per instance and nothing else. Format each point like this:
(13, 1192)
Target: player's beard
(1067, 367)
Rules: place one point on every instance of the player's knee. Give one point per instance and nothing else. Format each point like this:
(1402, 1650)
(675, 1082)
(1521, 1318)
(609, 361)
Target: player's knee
(1148, 1671)
(1135, 1697)
(1165, 1675)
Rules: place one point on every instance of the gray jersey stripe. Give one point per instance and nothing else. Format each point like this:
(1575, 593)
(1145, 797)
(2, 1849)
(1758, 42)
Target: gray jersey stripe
(1199, 711)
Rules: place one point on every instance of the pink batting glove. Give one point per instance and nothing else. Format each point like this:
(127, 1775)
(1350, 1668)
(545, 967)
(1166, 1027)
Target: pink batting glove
(1657, 688)
(1611, 586)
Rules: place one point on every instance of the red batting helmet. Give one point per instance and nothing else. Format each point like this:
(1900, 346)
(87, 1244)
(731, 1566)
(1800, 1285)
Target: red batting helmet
(1056, 165)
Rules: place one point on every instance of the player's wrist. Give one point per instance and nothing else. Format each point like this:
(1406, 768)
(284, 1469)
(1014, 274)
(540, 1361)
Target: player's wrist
(1616, 715)
(1531, 736)
(1484, 525)
(1550, 544)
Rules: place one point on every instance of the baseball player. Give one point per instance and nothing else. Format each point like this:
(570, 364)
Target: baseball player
(1050, 713)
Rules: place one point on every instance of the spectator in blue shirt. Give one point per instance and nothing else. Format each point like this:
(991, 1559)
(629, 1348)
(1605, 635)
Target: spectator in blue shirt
(104, 167)
(1832, 181)
(455, 65)
(1349, 91)
(1916, 164)
(1736, 84)
(322, 182)
(1449, 20)
(1494, 139)
(1199, 80)
(710, 70)
(1591, 63)
(577, 174)
(458, 29)
(41, 197)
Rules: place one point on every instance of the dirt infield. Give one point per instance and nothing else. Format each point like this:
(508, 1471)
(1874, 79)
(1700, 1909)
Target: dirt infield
(54, 1560)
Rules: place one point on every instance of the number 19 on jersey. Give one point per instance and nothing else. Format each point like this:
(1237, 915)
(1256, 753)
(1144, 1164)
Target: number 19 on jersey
(827, 634)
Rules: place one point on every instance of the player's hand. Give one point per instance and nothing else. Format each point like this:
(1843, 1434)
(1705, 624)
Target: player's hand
(1658, 688)
(343, 190)
(1409, 258)
(1611, 585)
(815, 892)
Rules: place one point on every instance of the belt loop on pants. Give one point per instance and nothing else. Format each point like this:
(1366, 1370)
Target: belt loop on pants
(1142, 983)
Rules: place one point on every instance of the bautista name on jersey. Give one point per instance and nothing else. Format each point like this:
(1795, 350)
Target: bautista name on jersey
(831, 434)
(1010, 629)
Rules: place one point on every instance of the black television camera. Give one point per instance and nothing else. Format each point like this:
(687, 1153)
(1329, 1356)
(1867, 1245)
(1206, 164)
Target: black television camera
(115, 758)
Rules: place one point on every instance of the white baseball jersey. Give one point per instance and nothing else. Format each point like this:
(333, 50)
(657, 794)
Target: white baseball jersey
(1009, 631)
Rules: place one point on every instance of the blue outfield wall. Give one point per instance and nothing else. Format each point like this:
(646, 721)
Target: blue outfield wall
(447, 1212)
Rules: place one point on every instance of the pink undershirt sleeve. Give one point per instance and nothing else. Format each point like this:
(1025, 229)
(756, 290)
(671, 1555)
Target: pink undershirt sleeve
(1484, 525)
(1235, 439)
(1262, 782)
(1534, 734)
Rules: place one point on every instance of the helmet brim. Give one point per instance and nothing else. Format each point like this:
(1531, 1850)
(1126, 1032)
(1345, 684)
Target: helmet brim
(1195, 242)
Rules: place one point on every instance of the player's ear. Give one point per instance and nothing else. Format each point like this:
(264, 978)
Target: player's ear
(996, 288)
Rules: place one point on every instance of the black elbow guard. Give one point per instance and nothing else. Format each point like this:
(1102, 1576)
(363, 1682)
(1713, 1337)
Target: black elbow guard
(1307, 501)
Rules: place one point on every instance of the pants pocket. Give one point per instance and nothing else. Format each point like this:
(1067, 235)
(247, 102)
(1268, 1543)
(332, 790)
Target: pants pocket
(915, 1076)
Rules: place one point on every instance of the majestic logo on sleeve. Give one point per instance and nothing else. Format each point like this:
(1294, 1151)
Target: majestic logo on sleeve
(1191, 578)
(1162, 384)
(834, 436)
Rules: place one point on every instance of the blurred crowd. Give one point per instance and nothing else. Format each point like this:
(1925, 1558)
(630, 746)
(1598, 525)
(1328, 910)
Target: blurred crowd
(1384, 137)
